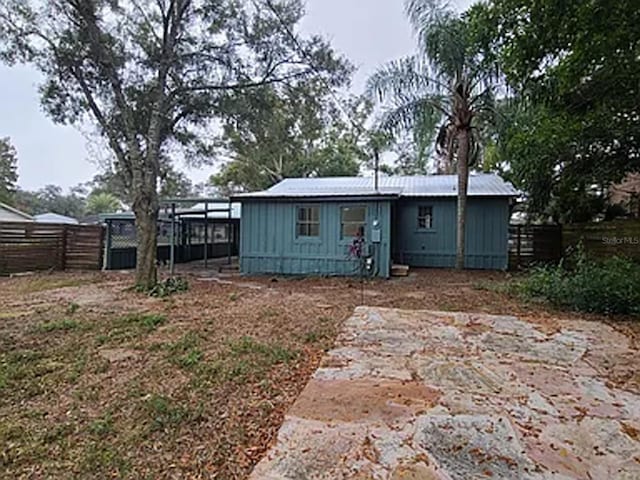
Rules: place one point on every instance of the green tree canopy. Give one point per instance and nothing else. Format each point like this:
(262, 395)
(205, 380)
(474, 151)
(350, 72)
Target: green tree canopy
(273, 133)
(104, 202)
(572, 126)
(8, 171)
(51, 198)
(151, 75)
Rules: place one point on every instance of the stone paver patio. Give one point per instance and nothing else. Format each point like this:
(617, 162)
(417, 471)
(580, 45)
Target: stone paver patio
(427, 395)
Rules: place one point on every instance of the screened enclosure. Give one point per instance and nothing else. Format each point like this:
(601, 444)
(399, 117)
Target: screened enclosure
(198, 233)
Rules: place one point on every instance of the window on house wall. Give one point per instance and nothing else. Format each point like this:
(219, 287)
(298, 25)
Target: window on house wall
(308, 222)
(425, 217)
(353, 220)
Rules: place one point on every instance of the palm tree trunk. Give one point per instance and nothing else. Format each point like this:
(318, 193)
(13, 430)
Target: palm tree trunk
(463, 183)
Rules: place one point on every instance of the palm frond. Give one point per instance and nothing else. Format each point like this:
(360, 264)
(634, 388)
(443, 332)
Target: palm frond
(441, 34)
(420, 115)
(409, 76)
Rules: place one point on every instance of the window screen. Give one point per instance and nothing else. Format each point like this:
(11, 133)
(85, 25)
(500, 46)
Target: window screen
(220, 233)
(308, 222)
(425, 217)
(353, 219)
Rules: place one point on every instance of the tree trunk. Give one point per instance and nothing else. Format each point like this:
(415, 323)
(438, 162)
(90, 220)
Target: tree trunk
(145, 207)
(463, 182)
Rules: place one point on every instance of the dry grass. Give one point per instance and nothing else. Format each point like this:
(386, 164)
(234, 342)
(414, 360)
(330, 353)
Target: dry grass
(97, 381)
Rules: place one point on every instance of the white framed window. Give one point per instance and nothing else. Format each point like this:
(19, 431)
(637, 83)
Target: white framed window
(308, 222)
(425, 217)
(352, 221)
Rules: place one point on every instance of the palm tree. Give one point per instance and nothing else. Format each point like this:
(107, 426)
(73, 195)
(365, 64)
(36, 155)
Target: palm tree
(444, 93)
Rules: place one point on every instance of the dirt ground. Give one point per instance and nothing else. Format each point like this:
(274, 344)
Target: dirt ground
(98, 381)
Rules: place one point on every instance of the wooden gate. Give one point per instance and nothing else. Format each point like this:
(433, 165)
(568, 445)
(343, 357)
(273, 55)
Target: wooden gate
(530, 244)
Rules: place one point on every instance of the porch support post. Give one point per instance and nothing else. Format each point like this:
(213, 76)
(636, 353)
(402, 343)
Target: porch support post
(206, 233)
(172, 248)
(229, 235)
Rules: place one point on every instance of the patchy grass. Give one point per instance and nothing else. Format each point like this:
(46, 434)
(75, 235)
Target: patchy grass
(165, 414)
(41, 283)
(186, 352)
(63, 325)
(145, 322)
(102, 427)
(130, 327)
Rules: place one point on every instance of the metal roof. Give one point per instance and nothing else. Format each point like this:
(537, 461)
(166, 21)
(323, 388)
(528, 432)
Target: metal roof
(11, 209)
(197, 211)
(480, 185)
(51, 217)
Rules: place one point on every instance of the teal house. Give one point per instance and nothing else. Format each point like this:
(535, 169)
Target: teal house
(309, 226)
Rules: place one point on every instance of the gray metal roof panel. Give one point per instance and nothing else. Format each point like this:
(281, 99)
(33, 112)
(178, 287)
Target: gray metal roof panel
(404, 186)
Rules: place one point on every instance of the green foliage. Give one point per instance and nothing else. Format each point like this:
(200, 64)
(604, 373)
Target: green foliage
(274, 133)
(572, 67)
(152, 77)
(8, 171)
(170, 286)
(101, 202)
(608, 287)
(441, 91)
(51, 198)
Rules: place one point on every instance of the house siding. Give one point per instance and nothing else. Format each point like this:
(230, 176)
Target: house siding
(268, 243)
(486, 233)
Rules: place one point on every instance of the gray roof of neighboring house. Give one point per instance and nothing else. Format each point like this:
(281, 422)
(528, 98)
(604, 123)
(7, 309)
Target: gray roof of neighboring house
(480, 185)
(15, 211)
(51, 217)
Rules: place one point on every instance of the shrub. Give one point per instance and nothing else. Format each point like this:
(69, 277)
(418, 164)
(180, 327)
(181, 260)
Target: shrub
(169, 287)
(611, 286)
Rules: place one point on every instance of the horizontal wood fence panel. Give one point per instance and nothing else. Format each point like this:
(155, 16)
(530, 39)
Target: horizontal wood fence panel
(530, 244)
(605, 239)
(27, 246)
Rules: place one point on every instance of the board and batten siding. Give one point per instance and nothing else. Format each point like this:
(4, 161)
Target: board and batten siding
(487, 233)
(268, 242)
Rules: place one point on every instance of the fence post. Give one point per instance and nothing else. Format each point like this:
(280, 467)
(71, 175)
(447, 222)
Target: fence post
(63, 256)
(518, 243)
(172, 252)
(206, 233)
(229, 233)
(107, 249)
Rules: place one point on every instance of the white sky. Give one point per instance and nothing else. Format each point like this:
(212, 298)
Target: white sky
(368, 32)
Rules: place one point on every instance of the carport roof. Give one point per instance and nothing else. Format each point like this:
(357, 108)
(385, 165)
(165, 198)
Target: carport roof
(480, 185)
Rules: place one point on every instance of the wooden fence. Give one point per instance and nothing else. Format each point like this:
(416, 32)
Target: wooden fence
(605, 239)
(529, 244)
(27, 246)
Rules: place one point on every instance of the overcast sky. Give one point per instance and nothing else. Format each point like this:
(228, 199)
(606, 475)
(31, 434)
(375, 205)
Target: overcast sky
(368, 32)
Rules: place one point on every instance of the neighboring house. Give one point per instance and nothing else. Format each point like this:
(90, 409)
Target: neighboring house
(627, 194)
(51, 217)
(10, 214)
(305, 225)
